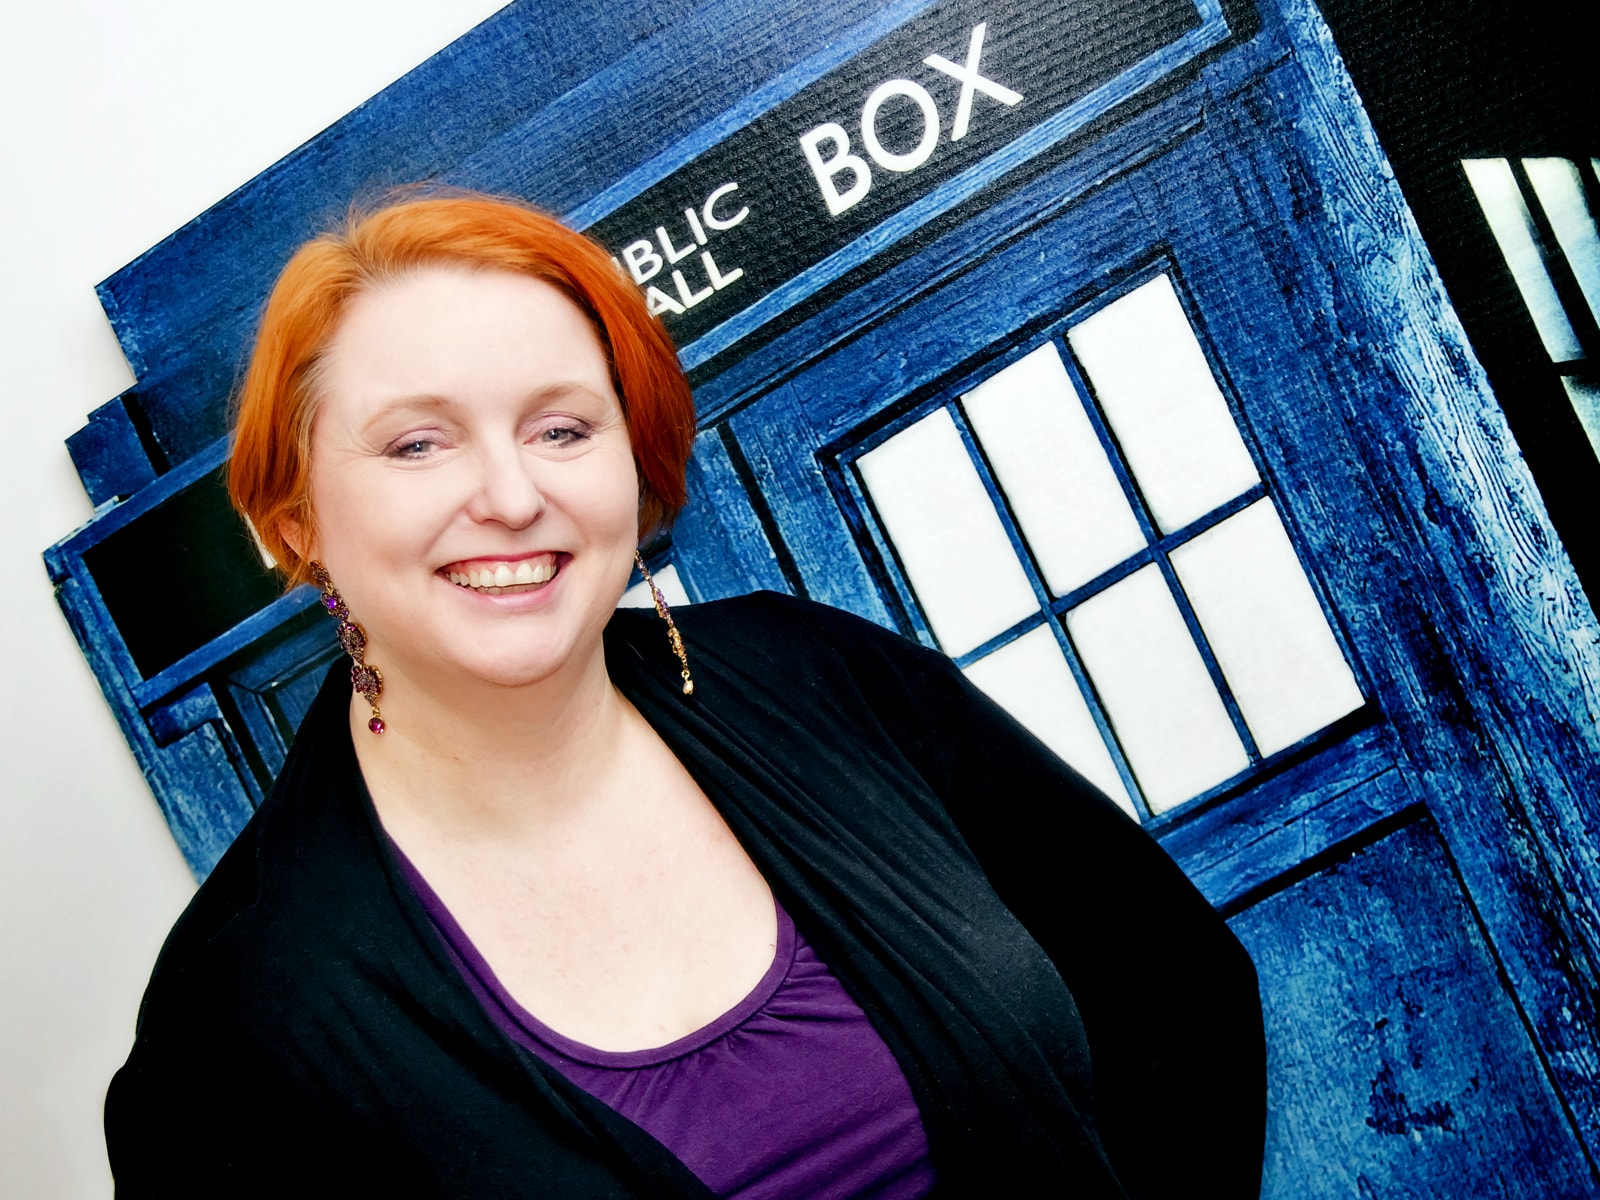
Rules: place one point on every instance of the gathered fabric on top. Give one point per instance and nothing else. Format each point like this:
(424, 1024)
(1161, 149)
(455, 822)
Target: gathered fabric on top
(789, 1095)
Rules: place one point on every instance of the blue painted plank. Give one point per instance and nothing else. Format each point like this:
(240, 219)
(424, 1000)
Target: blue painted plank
(1489, 668)
(246, 633)
(204, 802)
(780, 447)
(1238, 847)
(719, 541)
(110, 457)
(274, 688)
(1396, 1064)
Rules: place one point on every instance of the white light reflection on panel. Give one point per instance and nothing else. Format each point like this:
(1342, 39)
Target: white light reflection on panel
(1053, 470)
(638, 596)
(1496, 188)
(949, 538)
(1560, 190)
(1030, 679)
(1155, 688)
(1269, 634)
(1163, 404)
(1585, 397)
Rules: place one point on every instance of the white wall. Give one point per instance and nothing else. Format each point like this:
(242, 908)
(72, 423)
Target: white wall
(119, 121)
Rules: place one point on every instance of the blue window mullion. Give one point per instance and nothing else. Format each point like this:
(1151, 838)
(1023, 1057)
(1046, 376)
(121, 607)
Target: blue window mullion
(1108, 441)
(1216, 516)
(1002, 506)
(1160, 544)
(1139, 558)
(1203, 644)
(1102, 721)
(1019, 545)
(1004, 638)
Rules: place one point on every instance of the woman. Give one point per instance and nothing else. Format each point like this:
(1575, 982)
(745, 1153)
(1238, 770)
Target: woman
(777, 907)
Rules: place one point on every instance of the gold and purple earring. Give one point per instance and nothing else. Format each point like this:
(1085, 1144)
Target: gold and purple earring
(364, 677)
(665, 613)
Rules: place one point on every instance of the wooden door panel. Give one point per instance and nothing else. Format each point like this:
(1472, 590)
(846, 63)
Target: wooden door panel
(1397, 1065)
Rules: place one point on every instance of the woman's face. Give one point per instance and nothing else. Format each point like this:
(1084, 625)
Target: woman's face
(472, 478)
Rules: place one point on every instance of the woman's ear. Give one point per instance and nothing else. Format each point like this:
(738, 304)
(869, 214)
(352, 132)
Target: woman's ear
(294, 533)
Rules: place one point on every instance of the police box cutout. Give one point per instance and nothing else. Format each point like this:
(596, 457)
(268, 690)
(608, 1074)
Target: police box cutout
(722, 239)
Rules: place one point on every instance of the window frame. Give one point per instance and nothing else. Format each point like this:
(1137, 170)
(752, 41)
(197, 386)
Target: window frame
(840, 460)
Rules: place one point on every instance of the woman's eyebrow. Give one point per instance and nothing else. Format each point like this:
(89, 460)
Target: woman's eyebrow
(429, 403)
(422, 403)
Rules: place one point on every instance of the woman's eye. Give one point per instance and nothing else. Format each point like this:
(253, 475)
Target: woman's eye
(561, 435)
(412, 448)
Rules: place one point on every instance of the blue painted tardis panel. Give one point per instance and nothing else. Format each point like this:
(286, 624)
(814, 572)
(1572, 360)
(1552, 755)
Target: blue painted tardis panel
(1091, 343)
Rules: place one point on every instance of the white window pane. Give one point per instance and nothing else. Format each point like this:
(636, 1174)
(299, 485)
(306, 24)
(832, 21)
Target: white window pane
(1163, 404)
(638, 596)
(944, 527)
(1154, 686)
(1053, 470)
(1031, 680)
(1560, 190)
(1585, 397)
(1268, 632)
(1496, 188)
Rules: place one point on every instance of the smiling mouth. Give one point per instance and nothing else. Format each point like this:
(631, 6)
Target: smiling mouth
(492, 577)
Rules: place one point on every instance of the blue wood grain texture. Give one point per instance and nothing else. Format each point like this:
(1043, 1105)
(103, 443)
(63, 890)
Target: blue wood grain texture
(721, 545)
(1386, 1002)
(780, 446)
(196, 783)
(273, 688)
(110, 458)
(1310, 806)
(1497, 697)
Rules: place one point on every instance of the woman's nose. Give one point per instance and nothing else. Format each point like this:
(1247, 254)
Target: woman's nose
(508, 490)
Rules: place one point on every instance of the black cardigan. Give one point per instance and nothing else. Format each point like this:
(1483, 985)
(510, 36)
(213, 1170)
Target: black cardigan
(1001, 923)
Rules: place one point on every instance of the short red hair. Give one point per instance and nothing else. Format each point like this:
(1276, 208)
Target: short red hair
(270, 472)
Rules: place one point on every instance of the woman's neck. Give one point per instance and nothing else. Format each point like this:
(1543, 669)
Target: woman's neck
(482, 761)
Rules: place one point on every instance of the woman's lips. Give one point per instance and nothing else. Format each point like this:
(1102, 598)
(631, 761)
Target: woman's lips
(493, 576)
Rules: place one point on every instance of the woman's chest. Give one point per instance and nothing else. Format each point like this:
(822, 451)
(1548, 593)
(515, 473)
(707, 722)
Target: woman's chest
(621, 935)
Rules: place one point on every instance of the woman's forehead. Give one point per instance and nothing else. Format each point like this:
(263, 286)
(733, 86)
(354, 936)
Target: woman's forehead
(456, 334)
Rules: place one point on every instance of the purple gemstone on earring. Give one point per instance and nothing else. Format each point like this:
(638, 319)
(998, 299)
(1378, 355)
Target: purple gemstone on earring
(365, 678)
(353, 638)
(376, 724)
(331, 603)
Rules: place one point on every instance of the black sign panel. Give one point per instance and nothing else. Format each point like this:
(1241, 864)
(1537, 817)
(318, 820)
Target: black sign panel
(819, 169)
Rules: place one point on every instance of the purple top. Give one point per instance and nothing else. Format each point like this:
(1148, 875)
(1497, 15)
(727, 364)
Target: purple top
(789, 1095)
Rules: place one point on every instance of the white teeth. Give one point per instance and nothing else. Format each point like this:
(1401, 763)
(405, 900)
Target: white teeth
(503, 576)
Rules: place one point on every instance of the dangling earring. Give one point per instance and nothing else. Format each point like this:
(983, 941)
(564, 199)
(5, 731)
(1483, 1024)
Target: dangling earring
(364, 677)
(665, 613)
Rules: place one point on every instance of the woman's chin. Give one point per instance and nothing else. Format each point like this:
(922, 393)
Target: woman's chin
(506, 670)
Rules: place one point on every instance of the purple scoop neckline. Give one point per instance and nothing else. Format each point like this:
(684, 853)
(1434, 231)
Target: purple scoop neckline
(620, 1060)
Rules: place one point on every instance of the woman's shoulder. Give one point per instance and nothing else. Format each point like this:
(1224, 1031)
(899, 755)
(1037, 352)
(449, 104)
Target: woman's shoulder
(777, 624)
(259, 933)
(805, 667)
